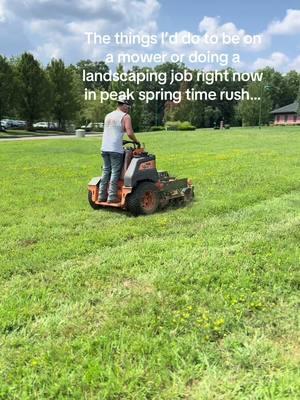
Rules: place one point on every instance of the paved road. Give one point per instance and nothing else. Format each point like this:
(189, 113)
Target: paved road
(44, 137)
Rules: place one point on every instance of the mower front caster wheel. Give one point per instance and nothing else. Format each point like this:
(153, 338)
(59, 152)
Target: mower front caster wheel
(144, 200)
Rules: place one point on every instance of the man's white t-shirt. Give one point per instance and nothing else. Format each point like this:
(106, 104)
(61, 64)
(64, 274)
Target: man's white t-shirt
(112, 139)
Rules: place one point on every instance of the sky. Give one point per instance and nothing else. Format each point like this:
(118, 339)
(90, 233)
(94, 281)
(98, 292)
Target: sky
(56, 28)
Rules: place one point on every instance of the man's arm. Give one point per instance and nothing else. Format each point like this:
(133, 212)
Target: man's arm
(128, 128)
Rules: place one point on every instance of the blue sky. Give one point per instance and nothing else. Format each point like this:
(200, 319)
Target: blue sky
(55, 28)
(253, 15)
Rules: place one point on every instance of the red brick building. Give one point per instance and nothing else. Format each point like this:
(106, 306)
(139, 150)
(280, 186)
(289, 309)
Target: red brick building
(287, 115)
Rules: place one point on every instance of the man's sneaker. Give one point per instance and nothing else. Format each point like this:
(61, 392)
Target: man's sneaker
(102, 199)
(113, 200)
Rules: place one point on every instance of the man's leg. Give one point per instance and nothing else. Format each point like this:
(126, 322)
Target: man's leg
(116, 160)
(106, 173)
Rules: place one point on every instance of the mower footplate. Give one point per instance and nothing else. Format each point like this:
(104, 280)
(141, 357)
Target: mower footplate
(106, 204)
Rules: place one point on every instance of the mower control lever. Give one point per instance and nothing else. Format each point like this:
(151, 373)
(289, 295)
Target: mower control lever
(137, 145)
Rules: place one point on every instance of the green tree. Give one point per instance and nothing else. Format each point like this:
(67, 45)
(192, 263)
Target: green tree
(119, 86)
(291, 86)
(276, 84)
(183, 111)
(7, 82)
(250, 110)
(32, 89)
(283, 89)
(66, 96)
(212, 115)
(93, 67)
(146, 119)
(94, 111)
(157, 108)
(226, 108)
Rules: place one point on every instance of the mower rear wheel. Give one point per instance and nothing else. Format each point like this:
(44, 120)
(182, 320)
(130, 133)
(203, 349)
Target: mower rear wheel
(92, 203)
(144, 200)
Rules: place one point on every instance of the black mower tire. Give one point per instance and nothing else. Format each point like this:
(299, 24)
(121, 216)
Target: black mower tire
(136, 203)
(92, 203)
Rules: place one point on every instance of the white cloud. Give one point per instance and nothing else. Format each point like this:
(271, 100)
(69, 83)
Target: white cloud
(290, 24)
(211, 26)
(3, 11)
(102, 17)
(295, 64)
(277, 61)
(145, 9)
(67, 9)
(48, 51)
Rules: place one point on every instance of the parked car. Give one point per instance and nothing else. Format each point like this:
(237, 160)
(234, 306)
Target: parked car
(40, 125)
(13, 123)
(20, 124)
(93, 126)
(6, 123)
(45, 125)
(2, 128)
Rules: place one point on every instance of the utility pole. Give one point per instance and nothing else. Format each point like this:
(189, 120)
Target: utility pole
(262, 89)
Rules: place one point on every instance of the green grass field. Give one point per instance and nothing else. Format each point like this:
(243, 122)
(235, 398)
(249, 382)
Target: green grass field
(200, 302)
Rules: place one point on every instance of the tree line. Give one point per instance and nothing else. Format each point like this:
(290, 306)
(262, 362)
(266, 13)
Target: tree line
(32, 92)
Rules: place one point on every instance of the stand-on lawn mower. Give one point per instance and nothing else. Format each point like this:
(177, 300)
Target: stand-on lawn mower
(143, 189)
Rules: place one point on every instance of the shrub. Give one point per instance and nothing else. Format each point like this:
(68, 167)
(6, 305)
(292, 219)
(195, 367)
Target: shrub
(157, 128)
(172, 125)
(186, 126)
(179, 126)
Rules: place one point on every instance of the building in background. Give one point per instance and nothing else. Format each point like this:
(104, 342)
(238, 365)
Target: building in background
(287, 115)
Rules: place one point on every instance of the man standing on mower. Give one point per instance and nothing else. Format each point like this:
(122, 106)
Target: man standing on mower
(116, 124)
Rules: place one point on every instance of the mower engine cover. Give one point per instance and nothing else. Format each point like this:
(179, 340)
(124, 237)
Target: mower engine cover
(141, 168)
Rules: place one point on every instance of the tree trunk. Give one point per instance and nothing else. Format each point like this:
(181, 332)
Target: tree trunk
(30, 127)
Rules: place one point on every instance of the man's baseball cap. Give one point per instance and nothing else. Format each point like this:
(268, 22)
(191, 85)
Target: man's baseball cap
(122, 99)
